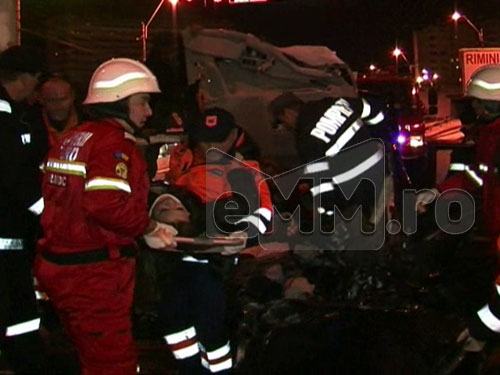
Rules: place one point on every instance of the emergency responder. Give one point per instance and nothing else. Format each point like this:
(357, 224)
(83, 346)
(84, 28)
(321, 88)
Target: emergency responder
(59, 113)
(328, 129)
(56, 114)
(21, 203)
(95, 189)
(193, 303)
(484, 89)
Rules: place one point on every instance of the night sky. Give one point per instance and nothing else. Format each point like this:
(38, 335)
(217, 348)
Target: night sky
(361, 31)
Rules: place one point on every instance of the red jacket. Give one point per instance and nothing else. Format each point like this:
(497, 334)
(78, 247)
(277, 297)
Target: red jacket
(210, 182)
(95, 190)
(484, 173)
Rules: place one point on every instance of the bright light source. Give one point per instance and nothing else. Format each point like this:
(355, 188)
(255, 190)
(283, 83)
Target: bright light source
(435, 76)
(173, 2)
(401, 139)
(426, 77)
(372, 67)
(456, 16)
(425, 72)
(414, 91)
(420, 80)
(397, 52)
(416, 141)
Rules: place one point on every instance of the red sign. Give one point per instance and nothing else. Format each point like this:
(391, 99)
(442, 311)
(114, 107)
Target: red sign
(471, 59)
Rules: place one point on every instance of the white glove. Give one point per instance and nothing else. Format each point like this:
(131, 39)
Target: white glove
(234, 249)
(424, 198)
(470, 343)
(161, 237)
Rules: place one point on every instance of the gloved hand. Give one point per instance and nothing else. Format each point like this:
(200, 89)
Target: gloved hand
(234, 249)
(161, 237)
(470, 343)
(424, 198)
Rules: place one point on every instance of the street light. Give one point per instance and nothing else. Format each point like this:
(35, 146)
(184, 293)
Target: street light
(456, 16)
(396, 52)
(145, 26)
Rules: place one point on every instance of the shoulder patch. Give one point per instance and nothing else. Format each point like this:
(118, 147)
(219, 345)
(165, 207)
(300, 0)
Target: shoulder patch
(121, 156)
(211, 121)
(121, 170)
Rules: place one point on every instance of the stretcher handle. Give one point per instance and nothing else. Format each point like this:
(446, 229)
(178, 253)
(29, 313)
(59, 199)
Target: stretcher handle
(216, 241)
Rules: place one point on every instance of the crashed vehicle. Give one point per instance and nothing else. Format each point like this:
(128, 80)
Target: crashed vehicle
(328, 309)
(243, 74)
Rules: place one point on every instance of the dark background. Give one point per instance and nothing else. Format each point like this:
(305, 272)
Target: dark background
(361, 31)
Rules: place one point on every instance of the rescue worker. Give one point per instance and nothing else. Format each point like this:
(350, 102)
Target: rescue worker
(193, 303)
(96, 190)
(333, 138)
(21, 203)
(484, 89)
(55, 115)
(59, 113)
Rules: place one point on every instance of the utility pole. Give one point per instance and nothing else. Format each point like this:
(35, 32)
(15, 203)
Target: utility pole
(416, 57)
(18, 22)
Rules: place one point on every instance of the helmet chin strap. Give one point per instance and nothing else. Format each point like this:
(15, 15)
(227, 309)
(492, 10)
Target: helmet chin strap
(117, 110)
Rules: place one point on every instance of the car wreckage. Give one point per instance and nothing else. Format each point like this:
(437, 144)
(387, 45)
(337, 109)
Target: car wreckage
(397, 310)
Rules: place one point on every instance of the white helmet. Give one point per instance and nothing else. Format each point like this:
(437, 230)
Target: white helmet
(119, 78)
(485, 83)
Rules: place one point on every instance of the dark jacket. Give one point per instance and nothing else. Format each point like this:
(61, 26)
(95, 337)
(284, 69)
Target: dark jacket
(20, 192)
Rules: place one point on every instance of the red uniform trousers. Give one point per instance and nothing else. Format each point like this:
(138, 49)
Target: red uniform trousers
(93, 302)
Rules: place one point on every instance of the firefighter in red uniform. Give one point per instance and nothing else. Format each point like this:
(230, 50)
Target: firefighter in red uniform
(193, 304)
(95, 190)
(484, 88)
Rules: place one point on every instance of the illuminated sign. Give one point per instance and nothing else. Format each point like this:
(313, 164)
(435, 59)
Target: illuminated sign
(471, 59)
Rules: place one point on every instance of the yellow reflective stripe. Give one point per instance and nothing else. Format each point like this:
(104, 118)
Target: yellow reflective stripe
(317, 167)
(219, 353)
(104, 183)
(186, 352)
(225, 365)
(457, 167)
(74, 168)
(473, 175)
(211, 361)
(486, 85)
(367, 109)
(255, 221)
(343, 139)
(119, 80)
(266, 212)
(488, 319)
(376, 120)
(185, 334)
(325, 187)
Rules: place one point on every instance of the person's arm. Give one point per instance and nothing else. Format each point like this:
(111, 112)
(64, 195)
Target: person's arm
(110, 199)
(19, 174)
